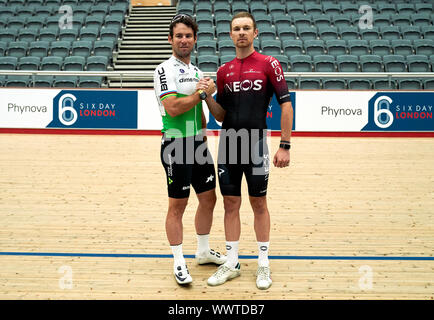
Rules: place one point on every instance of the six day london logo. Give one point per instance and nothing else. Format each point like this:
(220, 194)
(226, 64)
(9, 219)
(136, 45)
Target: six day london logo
(401, 111)
(95, 109)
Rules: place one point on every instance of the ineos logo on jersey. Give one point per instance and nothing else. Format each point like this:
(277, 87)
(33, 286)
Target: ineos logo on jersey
(277, 69)
(163, 81)
(245, 85)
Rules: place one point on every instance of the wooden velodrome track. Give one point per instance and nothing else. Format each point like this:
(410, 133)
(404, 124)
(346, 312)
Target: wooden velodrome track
(82, 217)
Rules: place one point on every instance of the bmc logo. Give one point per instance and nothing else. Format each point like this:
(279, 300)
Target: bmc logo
(245, 85)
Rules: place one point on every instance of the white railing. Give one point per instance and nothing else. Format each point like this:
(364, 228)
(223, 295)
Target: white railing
(149, 75)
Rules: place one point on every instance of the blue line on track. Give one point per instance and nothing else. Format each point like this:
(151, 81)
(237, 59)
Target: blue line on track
(127, 255)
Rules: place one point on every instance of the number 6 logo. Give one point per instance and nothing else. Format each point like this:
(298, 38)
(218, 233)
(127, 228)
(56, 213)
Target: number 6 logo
(67, 113)
(379, 111)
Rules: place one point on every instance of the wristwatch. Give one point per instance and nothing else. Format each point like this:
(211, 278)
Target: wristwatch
(285, 145)
(202, 94)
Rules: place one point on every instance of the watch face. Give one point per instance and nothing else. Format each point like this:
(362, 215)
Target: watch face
(203, 95)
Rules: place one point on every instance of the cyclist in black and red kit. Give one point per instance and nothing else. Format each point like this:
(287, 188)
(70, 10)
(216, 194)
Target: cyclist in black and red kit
(245, 87)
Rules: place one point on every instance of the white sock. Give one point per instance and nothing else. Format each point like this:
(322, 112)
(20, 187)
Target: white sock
(232, 253)
(263, 254)
(203, 243)
(178, 256)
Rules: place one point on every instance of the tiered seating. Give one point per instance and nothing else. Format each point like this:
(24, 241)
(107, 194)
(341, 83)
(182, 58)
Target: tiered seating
(36, 35)
(327, 34)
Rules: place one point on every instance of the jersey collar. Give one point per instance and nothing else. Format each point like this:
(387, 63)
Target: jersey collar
(181, 62)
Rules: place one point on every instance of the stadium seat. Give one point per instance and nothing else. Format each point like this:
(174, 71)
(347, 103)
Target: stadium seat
(286, 32)
(208, 63)
(349, 33)
(421, 19)
(314, 47)
(300, 63)
(390, 33)
(380, 47)
(227, 58)
(359, 84)
(312, 8)
(17, 49)
(358, 47)
(383, 84)
(226, 47)
(394, 63)
(309, 84)
(81, 48)
(410, 32)
(60, 48)
(385, 7)
(8, 63)
(381, 20)
(36, 22)
(401, 20)
(405, 8)
(428, 32)
(68, 34)
(321, 21)
(402, 47)
(39, 48)
(331, 8)
(90, 82)
(8, 35)
(74, 63)
(409, 84)
(292, 47)
(291, 83)
(15, 81)
(424, 8)
(52, 63)
(371, 63)
(17, 22)
(418, 63)
(238, 7)
(340, 21)
(275, 7)
(347, 63)
(222, 7)
(336, 47)
(206, 47)
(109, 33)
(258, 7)
(205, 34)
(89, 33)
(268, 33)
(3, 48)
(301, 21)
(328, 33)
(65, 81)
(428, 84)
(271, 47)
(324, 63)
(294, 8)
(29, 63)
(424, 46)
(349, 8)
(307, 33)
(48, 34)
(370, 34)
(334, 84)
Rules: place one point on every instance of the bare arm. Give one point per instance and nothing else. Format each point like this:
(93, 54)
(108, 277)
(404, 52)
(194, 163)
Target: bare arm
(175, 106)
(282, 158)
(216, 109)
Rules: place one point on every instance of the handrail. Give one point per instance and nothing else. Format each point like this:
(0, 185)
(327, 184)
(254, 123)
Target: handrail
(149, 75)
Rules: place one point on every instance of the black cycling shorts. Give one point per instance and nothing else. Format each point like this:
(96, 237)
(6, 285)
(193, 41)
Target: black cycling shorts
(249, 158)
(187, 162)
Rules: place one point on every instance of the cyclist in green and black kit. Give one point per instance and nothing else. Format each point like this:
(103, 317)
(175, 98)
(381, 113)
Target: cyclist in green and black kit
(184, 153)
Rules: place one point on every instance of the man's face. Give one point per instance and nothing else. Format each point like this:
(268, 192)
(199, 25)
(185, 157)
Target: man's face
(183, 40)
(242, 32)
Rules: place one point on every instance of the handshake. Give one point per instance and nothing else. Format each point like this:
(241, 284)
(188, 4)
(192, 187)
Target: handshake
(206, 84)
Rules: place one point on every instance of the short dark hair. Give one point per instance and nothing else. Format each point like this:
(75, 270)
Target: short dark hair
(244, 14)
(185, 19)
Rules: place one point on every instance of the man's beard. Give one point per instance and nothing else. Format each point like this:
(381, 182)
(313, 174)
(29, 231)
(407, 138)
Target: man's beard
(183, 54)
